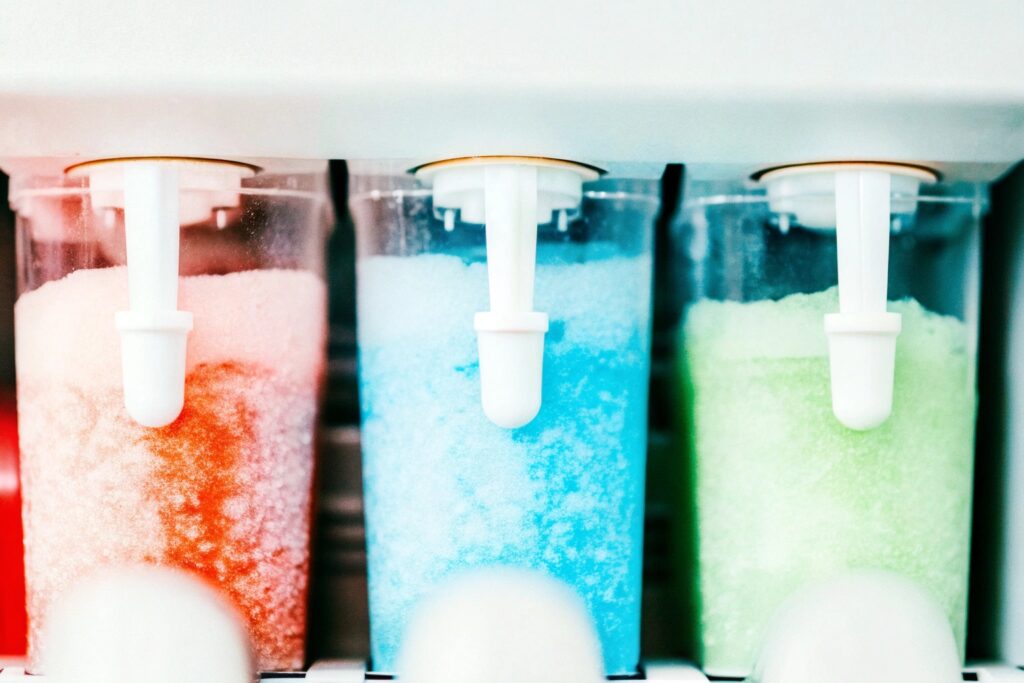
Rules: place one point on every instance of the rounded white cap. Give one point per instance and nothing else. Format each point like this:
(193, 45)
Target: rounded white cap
(511, 348)
(144, 625)
(862, 364)
(501, 626)
(861, 626)
(153, 364)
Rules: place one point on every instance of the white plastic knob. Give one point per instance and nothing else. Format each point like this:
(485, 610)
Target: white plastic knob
(501, 626)
(511, 348)
(862, 365)
(144, 624)
(153, 364)
(862, 626)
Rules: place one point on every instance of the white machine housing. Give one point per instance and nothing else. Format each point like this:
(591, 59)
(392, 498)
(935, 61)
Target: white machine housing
(727, 88)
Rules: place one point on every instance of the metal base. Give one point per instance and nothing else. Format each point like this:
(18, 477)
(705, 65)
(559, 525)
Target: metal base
(354, 671)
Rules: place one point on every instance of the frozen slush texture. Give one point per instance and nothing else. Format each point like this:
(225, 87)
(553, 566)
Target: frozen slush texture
(224, 491)
(447, 490)
(786, 494)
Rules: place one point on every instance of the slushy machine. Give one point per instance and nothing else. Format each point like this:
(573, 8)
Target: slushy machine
(564, 342)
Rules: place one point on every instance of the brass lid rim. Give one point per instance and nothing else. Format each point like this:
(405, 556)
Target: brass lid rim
(76, 169)
(918, 171)
(588, 171)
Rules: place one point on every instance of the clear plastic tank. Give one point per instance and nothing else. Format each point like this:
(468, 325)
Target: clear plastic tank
(783, 492)
(224, 490)
(448, 490)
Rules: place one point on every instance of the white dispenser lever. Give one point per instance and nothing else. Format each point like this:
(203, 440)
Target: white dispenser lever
(153, 332)
(158, 196)
(857, 200)
(510, 337)
(862, 336)
(511, 196)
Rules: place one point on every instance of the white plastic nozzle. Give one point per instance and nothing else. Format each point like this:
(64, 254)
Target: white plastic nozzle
(501, 626)
(860, 626)
(511, 196)
(862, 336)
(144, 624)
(153, 332)
(154, 192)
(857, 200)
(511, 350)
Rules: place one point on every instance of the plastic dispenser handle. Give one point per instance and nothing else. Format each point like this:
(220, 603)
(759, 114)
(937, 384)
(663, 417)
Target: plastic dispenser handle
(153, 332)
(862, 336)
(510, 337)
(510, 196)
(510, 206)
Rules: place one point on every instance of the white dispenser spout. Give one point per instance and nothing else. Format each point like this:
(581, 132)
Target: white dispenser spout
(511, 196)
(158, 196)
(856, 199)
(510, 337)
(862, 336)
(153, 332)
